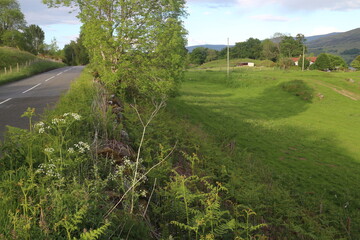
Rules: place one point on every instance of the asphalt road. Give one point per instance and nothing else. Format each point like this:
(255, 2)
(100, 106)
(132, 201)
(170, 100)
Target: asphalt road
(39, 92)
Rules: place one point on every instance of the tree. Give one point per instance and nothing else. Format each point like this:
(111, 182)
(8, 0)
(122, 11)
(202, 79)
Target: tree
(198, 55)
(136, 46)
(269, 50)
(13, 38)
(291, 47)
(34, 36)
(11, 17)
(322, 62)
(356, 63)
(329, 62)
(251, 48)
(75, 53)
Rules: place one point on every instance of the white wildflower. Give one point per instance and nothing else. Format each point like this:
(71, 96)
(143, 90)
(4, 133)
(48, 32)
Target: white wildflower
(76, 116)
(55, 121)
(71, 150)
(41, 130)
(49, 150)
(39, 125)
(143, 193)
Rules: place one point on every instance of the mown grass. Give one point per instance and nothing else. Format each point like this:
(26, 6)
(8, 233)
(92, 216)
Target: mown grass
(221, 64)
(35, 68)
(288, 153)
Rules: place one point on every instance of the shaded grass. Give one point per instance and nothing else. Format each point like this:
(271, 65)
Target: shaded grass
(306, 152)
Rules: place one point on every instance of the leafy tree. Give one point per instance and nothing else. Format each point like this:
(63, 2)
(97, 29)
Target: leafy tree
(322, 62)
(198, 55)
(356, 63)
(34, 36)
(336, 62)
(269, 50)
(52, 48)
(249, 49)
(211, 55)
(11, 17)
(290, 47)
(13, 38)
(136, 46)
(75, 53)
(327, 61)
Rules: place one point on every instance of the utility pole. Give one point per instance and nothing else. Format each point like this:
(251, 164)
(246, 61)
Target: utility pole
(228, 58)
(303, 59)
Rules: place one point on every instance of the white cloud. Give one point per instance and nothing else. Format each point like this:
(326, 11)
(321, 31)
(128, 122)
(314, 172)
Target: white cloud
(323, 30)
(38, 13)
(293, 5)
(271, 18)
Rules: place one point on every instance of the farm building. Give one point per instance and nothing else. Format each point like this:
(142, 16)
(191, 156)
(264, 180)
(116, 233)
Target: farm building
(310, 59)
(249, 64)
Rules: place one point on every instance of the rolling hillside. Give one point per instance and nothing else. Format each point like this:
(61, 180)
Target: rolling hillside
(346, 44)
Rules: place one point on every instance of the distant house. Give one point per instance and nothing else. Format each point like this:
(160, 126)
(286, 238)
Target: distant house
(310, 59)
(249, 64)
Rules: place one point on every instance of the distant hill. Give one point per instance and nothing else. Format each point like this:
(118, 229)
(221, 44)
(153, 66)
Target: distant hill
(346, 44)
(210, 46)
(316, 37)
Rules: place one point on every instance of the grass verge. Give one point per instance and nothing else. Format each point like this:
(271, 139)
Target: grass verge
(33, 69)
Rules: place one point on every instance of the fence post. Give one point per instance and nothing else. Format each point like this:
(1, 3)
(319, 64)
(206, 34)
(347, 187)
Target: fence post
(10, 69)
(17, 67)
(5, 71)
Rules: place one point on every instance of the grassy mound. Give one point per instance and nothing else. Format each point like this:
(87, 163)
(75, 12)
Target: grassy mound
(12, 57)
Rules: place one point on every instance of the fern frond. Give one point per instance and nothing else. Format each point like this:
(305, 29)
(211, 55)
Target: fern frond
(95, 234)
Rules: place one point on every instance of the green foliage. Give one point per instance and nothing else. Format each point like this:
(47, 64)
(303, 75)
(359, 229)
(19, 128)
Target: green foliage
(269, 50)
(250, 49)
(75, 53)
(198, 56)
(291, 47)
(13, 38)
(327, 61)
(11, 17)
(285, 63)
(10, 57)
(34, 38)
(356, 63)
(136, 47)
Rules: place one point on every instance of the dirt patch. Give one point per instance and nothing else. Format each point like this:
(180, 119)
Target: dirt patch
(343, 92)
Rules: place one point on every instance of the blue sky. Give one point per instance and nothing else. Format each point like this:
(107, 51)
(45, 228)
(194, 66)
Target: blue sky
(213, 21)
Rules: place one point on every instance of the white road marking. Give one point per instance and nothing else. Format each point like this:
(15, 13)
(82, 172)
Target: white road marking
(49, 79)
(32, 88)
(5, 101)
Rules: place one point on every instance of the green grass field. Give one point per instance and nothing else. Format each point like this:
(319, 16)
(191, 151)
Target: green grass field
(304, 152)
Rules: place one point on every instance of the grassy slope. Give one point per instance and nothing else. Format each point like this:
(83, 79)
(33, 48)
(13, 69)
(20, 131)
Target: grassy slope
(309, 148)
(11, 56)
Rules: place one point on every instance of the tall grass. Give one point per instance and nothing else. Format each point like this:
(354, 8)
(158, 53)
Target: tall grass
(12, 57)
(33, 69)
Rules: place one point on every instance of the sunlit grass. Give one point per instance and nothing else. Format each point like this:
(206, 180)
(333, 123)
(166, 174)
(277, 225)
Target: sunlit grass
(309, 148)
